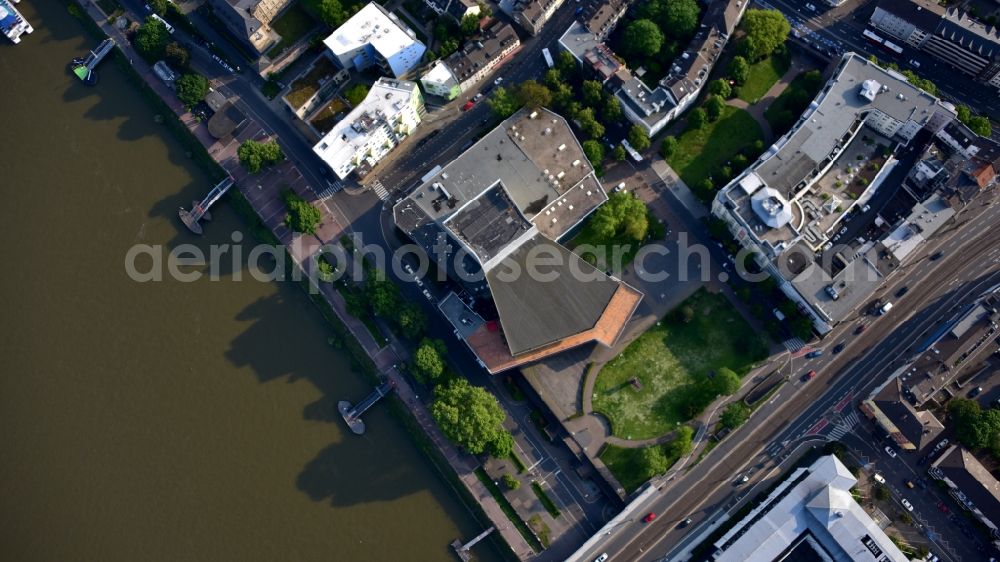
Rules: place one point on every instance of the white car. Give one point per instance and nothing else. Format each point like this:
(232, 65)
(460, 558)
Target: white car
(601, 558)
(890, 452)
(906, 503)
(879, 478)
(811, 7)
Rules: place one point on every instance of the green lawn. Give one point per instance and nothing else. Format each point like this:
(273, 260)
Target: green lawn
(672, 362)
(700, 152)
(304, 87)
(763, 75)
(292, 25)
(627, 466)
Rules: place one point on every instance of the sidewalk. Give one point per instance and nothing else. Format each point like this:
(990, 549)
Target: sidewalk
(263, 191)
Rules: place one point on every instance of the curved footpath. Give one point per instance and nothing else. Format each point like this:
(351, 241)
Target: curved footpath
(263, 193)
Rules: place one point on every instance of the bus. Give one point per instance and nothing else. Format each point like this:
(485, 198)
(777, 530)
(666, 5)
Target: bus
(548, 57)
(170, 28)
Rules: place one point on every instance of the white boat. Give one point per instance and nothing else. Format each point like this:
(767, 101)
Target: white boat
(12, 23)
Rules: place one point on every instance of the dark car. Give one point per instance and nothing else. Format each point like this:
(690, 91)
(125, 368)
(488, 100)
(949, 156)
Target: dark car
(975, 392)
(936, 255)
(814, 354)
(902, 291)
(859, 329)
(838, 348)
(684, 523)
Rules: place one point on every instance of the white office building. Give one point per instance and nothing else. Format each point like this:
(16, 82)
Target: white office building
(376, 37)
(389, 113)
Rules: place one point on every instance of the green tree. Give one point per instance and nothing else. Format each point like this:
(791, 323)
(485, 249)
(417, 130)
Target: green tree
(255, 156)
(697, 118)
(668, 146)
(159, 7)
(589, 124)
(735, 415)
(726, 381)
(191, 89)
(720, 87)
(714, 106)
(638, 138)
(382, 295)
(553, 79)
(533, 95)
(594, 151)
(739, 69)
(881, 493)
(980, 125)
(503, 103)
(177, 56)
(653, 461)
(623, 214)
(356, 94)
(964, 113)
(331, 12)
(765, 31)
(619, 153)
(469, 25)
(643, 38)
(301, 216)
(682, 442)
(412, 321)
(428, 360)
(471, 417)
(511, 482)
(151, 39)
(680, 17)
(566, 63)
(612, 110)
(592, 92)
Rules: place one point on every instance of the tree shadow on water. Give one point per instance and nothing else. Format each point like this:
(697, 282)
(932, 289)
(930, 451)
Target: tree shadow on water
(285, 340)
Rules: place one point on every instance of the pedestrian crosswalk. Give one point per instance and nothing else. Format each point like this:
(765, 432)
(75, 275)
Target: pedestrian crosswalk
(331, 188)
(845, 425)
(794, 344)
(380, 190)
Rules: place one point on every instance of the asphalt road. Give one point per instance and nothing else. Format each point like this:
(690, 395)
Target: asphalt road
(409, 162)
(842, 28)
(936, 288)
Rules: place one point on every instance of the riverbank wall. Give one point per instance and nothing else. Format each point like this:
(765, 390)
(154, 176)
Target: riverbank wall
(371, 358)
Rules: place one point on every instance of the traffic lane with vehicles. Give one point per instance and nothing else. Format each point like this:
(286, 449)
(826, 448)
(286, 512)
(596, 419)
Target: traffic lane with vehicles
(681, 502)
(933, 510)
(554, 463)
(781, 436)
(401, 173)
(842, 30)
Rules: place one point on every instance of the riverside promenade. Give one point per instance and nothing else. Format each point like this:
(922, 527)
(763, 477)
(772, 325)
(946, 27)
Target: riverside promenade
(263, 191)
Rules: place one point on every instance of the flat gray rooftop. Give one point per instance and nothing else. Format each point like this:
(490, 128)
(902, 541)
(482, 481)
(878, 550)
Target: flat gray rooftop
(488, 223)
(536, 311)
(536, 160)
(828, 121)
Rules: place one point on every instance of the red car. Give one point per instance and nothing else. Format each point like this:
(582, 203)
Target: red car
(649, 517)
(809, 376)
(860, 329)
(467, 106)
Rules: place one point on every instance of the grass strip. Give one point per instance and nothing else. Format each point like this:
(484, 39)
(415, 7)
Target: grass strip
(508, 510)
(550, 505)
